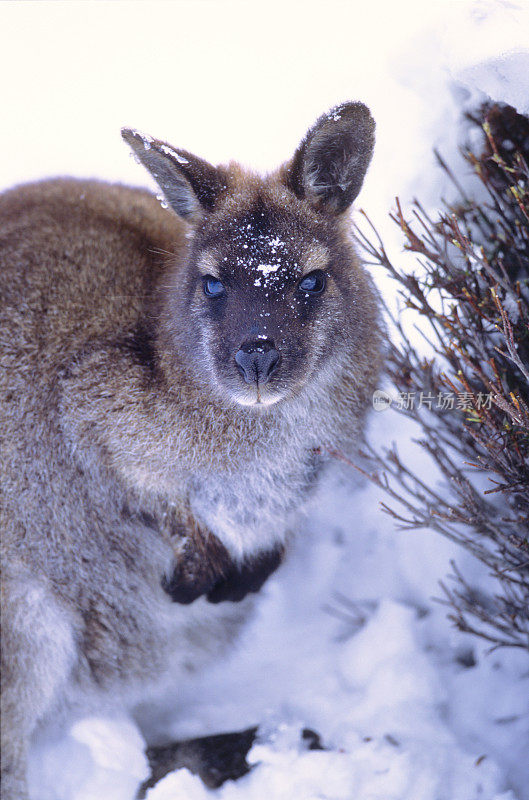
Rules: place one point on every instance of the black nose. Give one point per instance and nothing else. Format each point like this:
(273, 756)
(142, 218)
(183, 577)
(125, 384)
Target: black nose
(257, 360)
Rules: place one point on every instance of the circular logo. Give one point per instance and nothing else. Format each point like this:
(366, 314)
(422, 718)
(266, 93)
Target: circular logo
(381, 400)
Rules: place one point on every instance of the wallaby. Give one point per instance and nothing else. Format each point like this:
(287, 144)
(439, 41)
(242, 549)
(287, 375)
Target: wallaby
(173, 376)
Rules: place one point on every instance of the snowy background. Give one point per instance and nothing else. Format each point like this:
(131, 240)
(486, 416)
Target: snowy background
(409, 708)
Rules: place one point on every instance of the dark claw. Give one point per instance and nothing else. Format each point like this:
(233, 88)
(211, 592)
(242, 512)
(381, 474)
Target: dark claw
(183, 592)
(246, 578)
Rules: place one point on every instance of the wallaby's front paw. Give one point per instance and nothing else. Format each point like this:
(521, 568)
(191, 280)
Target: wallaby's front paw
(182, 590)
(205, 567)
(246, 578)
(202, 562)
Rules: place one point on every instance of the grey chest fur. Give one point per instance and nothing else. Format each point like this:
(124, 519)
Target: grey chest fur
(251, 509)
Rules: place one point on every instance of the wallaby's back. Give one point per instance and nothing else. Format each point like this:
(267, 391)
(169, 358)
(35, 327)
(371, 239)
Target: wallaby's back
(76, 256)
(77, 263)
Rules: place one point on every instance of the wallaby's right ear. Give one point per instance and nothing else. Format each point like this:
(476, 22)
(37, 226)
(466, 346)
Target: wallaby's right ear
(329, 166)
(189, 184)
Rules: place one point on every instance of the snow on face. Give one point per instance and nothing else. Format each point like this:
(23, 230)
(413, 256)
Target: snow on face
(268, 259)
(260, 256)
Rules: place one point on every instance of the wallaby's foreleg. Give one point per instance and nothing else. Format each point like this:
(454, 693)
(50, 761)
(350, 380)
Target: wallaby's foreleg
(203, 566)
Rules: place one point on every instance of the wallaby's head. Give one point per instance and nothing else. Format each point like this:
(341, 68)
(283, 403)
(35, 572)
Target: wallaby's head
(271, 291)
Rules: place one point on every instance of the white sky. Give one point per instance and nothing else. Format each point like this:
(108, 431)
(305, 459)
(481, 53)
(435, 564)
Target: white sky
(228, 79)
(224, 79)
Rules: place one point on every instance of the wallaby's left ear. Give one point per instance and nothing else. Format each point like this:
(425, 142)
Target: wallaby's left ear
(329, 166)
(189, 184)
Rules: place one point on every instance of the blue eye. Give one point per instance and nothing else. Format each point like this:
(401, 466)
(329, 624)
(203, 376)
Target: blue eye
(313, 283)
(213, 287)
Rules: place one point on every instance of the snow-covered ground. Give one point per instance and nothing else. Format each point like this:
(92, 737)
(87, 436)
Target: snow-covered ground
(347, 639)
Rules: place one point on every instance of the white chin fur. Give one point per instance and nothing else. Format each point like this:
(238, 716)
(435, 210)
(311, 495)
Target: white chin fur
(253, 401)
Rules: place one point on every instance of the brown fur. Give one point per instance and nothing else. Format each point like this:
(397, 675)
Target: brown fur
(138, 467)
